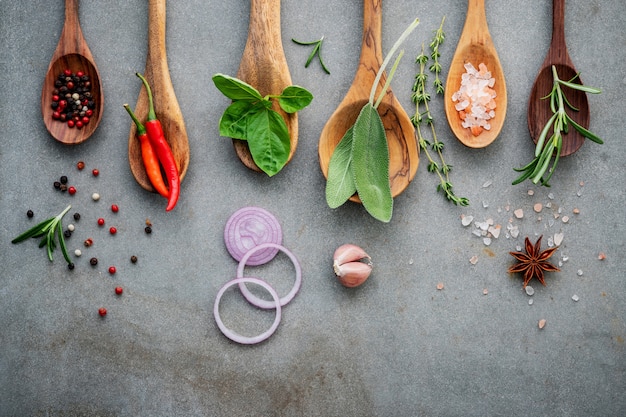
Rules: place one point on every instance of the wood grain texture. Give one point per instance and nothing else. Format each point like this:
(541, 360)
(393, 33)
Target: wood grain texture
(403, 152)
(539, 109)
(72, 52)
(264, 66)
(165, 103)
(475, 46)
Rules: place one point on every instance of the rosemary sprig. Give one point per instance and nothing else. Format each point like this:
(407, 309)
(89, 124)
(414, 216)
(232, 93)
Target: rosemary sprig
(550, 149)
(421, 98)
(317, 50)
(49, 230)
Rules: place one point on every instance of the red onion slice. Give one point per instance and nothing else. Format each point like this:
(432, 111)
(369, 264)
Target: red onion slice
(249, 227)
(236, 337)
(256, 301)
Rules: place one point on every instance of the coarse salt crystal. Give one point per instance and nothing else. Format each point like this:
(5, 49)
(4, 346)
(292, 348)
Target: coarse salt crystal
(475, 99)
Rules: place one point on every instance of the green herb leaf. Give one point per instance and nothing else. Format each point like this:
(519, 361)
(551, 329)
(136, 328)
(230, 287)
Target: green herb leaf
(268, 140)
(234, 121)
(235, 89)
(294, 98)
(340, 184)
(48, 229)
(370, 161)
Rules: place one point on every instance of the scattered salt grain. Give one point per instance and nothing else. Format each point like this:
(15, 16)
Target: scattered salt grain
(473, 260)
(529, 290)
(576, 211)
(487, 241)
(485, 204)
(440, 286)
(531, 192)
(519, 213)
(579, 272)
(542, 323)
(601, 256)
(550, 242)
(575, 297)
(495, 230)
(467, 220)
(530, 302)
(551, 196)
(538, 207)
(485, 291)
(486, 184)
(411, 261)
(558, 239)
(565, 219)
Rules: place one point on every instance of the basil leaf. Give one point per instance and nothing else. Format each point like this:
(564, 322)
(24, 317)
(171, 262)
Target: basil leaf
(340, 184)
(294, 98)
(370, 164)
(268, 140)
(235, 89)
(234, 121)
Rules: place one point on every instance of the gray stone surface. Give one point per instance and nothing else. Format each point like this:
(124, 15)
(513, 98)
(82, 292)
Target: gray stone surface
(396, 346)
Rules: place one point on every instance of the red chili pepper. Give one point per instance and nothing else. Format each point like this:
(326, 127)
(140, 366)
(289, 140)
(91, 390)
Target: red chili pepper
(150, 160)
(162, 148)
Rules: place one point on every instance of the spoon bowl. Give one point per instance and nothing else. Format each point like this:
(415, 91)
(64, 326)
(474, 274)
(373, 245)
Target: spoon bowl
(475, 46)
(539, 108)
(165, 103)
(264, 66)
(403, 152)
(71, 53)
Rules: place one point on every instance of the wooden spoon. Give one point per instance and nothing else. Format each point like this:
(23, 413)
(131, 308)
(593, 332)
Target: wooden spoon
(400, 132)
(71, 53)
(475, 46)
(539, 109)
(165, 102)
(264, 66)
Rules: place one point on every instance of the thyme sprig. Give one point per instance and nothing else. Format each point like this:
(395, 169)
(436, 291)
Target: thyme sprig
(550, 149)
(317, 50)
(422, 115)
(49, 230)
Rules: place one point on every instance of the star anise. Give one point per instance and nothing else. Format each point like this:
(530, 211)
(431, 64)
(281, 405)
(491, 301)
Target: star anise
(534, 262)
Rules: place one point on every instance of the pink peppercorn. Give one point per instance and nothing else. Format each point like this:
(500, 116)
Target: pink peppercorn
(112, 230)
(112, 270)
(115, 208)
(102, 311)
(95, 172)
(119, 290)
(71, 190)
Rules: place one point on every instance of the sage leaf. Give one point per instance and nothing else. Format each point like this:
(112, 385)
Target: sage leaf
(294, 98)
(234, 120)
(268, 140)
(235, 89)
(340, 184)
(370, 164)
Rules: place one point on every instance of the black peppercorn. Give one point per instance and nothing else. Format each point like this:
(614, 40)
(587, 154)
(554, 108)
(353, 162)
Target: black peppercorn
(30, 214)
(70, 266)
(67, 233)
(148, 229)
(133, 259)
(93, 261)
(57, 185)
(76, 216)
(63, 179)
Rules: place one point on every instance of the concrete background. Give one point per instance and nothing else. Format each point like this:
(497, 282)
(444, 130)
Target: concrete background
(396, 346)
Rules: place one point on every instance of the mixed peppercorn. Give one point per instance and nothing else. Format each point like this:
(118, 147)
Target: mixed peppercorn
(72, 101)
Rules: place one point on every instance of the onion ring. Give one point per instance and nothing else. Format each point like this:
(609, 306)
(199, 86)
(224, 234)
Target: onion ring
(236, 337)
(249, 227)
(254, 300)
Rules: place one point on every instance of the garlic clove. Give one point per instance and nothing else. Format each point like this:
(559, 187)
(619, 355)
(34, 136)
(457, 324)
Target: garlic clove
(352, 265)
(349, 253)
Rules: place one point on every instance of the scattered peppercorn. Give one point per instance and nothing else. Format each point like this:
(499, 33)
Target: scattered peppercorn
(112, 230)
(30, 214)
(80, 165)
(67, 233)
(72, 190)
(133, 259)
(148, 229)
(93, 261)
(95, 172)
(70, 266)
(88, 242)
(57, 185)
(95, 196)
(63, 179)
(115, 208)
(119, 290)
(112, 270)
(102, 311)
(77, 216)
(100, 221)
(63, 187)
(70, 227)
(77, 252)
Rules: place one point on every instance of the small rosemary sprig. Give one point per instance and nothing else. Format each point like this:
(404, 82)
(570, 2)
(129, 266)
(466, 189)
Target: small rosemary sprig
(317, 50)
(421, 98)
(550, 150)
(48, 230)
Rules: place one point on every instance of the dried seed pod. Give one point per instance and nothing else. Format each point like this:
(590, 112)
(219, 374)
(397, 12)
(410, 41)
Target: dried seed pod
(352, 265)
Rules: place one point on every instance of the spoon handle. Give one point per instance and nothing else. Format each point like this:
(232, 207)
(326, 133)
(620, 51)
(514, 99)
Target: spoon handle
(476, 23)
(371, 50)
(72, 39)
(558, 27)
